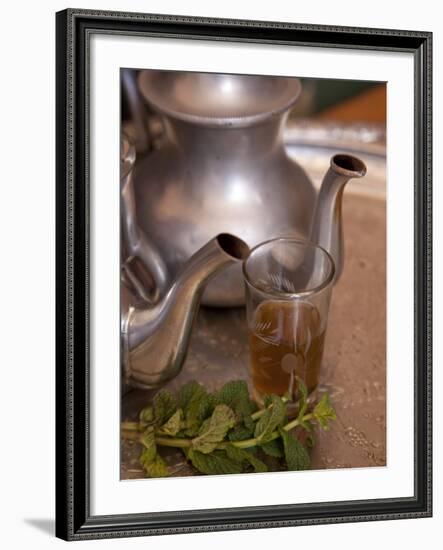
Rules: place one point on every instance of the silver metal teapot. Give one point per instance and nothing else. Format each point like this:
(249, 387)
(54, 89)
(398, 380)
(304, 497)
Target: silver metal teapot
(157, 316)
(223, 167)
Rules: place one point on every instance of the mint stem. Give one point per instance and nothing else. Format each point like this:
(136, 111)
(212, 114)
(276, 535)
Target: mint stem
(244, 444)
(171, 442)
(274, 435)
(130, 426)
(296, 422)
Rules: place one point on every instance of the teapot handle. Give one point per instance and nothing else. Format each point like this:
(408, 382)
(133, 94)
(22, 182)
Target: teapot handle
(137, 109)
(142, 265)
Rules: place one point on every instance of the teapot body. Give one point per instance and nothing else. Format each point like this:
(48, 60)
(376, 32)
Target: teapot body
(204, 181)
(222, 167)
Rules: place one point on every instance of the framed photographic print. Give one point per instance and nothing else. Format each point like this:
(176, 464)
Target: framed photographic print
(243, 274)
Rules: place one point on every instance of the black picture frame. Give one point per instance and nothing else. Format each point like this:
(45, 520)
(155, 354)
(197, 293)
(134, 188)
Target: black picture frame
(74, 28)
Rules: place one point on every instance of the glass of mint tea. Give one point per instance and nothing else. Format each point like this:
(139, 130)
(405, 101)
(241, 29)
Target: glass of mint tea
(288, 291)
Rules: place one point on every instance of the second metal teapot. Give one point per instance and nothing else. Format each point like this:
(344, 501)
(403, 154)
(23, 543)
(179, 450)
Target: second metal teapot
(223, 167)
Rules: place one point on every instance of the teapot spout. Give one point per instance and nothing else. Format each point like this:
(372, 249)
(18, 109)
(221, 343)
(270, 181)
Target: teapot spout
(156, 337)
(327, 224)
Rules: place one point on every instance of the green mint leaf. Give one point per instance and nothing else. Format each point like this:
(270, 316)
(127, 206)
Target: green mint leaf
(146, 416)
(147, 439)
(235, 395)
(152, 463)
(231, 392)
(249, 424)
(272, 448)
(197, 412)
(267, 400)
(241, 455)
(156, 467)
(273, 417)
(197, 406)
(297, 457)
(241, 432)
(214, 429)
(164, 406)
(324, 412)
(214, 463)
(173, 425)
(189, 392)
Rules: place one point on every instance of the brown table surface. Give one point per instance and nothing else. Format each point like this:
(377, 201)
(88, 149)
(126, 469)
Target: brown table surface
(354, 364)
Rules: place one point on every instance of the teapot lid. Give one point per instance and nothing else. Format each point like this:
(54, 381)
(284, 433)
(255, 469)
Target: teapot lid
(215, 99)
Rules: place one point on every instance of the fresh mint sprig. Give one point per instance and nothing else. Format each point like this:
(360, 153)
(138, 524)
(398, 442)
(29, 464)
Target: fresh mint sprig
(224, 432)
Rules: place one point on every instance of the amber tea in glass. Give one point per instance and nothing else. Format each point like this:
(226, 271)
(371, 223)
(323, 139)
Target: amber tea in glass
(288, 289)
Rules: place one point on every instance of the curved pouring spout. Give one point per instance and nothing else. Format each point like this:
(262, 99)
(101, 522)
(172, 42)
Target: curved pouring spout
(327, 225)
(155, 339)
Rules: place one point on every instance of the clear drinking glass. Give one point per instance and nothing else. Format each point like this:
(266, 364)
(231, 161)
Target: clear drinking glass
(288, 290)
